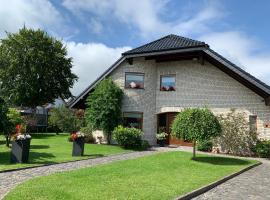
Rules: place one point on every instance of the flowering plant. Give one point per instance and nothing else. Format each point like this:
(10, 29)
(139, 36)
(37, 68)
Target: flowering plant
(161, 136)
(76, 135)
(22, 136)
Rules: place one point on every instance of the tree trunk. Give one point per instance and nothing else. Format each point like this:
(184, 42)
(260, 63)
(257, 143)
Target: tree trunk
(194, 149)
(109, 138)
(7, 140)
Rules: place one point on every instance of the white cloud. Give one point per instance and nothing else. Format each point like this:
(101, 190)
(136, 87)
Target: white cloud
(242, 50)
(91, 60)
(33, 13)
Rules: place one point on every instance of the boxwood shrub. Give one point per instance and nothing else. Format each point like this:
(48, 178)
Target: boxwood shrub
(262, 148)
(205, 146)
(128, 137)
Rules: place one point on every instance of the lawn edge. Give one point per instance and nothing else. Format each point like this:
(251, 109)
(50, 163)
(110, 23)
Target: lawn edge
(212, 185)
(50, 164)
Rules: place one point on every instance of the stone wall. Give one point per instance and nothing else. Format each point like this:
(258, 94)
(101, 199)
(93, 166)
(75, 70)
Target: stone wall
(196, 86)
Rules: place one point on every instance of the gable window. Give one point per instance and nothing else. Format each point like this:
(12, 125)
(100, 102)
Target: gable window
(134, 80)
(133, 119)
(167, 83)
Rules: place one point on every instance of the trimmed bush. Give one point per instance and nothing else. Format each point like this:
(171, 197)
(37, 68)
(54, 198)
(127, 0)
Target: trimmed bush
(205, 146)
(128, 137)
(262, 148)
(195, 124)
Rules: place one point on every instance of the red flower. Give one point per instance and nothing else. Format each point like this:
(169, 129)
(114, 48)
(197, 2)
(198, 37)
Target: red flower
(74, 136)
(18, 128)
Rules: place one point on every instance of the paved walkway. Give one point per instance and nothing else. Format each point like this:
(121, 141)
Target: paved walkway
(10, 180)
(253, 184)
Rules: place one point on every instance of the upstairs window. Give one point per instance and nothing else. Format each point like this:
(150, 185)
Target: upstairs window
(167, 83)
(133, 119)
(134, 80)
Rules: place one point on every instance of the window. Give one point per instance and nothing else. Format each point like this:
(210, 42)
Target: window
(134, 81)
(133, 119)
(167, 83)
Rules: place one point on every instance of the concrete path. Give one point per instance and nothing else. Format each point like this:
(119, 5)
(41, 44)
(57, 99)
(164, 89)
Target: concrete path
(10, 180)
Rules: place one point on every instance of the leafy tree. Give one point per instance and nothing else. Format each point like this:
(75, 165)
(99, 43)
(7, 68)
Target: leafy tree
(64, 119)
(196, 124)
(4, 121)
(237, 136)
(34, 68)
(103, 110)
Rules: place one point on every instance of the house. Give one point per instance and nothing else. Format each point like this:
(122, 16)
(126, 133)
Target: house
(161, 78)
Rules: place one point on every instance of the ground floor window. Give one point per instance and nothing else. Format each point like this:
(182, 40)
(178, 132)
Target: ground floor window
(133, 119)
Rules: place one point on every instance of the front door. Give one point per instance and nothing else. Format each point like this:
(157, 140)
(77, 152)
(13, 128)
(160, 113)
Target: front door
(165, 121)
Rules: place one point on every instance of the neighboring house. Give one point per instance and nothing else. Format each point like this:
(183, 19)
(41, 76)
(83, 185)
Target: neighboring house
(161, 78)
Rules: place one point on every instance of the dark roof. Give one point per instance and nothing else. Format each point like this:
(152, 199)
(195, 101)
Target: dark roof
(169, 42)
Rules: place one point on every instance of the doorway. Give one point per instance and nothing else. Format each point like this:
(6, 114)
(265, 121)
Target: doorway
(165, 121)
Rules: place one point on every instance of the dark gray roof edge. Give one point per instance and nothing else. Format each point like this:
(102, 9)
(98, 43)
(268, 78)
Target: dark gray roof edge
(258, 83)
(93, 84)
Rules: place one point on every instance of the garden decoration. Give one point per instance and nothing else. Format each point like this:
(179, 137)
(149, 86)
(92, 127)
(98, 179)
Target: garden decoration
(78, 143)
(20, 146)
(161, 138)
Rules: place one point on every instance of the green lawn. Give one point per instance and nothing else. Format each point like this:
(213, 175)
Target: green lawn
(160, 176)
(53, 148)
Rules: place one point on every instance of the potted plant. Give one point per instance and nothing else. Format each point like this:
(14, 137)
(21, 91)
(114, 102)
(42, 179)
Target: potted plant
(161, 137)
(78, 143)
(20, 146)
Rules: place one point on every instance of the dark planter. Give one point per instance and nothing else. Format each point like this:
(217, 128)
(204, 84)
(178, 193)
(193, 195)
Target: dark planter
(161, 143)
(78, 147)
(20, 151)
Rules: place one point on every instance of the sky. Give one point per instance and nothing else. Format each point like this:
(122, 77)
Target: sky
(96, 32)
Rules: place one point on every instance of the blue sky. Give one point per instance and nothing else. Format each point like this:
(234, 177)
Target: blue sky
(96, 32)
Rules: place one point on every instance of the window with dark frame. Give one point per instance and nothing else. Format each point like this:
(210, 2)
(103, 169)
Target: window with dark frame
(133, 119)
(134, 80)
(167, 83)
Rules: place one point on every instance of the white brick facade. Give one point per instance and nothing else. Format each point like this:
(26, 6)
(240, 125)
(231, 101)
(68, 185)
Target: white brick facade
(196, 86)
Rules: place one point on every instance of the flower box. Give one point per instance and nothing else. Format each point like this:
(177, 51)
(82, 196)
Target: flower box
(78, 147)
(20, 151)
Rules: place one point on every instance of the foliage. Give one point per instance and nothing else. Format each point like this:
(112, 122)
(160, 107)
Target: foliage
(262, 148)
(4, 122)
(88, 134)
(34, 68)
(65, 119)
(145, 145)
(236, 137)
(161, 136)
(196, 124)
(128, 137)
(103, 110)
(206, 145)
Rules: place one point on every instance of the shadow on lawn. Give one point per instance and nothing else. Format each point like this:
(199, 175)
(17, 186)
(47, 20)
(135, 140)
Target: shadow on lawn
(39, 146)
(221, 160)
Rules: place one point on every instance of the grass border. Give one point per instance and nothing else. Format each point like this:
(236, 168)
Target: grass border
(206, 188)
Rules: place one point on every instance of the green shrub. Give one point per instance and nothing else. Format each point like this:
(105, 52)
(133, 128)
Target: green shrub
(88, 134)
(145, 145)
(262, 148)
(128, 137)
(205, 146)
(195, 124)
(236, 137)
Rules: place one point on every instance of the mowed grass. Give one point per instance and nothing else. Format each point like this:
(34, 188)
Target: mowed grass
(161, 176)
(49, 149)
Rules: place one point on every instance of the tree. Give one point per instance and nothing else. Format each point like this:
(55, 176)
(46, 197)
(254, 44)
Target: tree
(34, 68)
(196, 124)
(64, 119)
(103, 110)
(4, 121)
(238, 137)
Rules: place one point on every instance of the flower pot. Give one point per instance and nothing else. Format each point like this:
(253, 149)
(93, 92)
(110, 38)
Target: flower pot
(161, 143)
(78, 147)
(20, 151)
